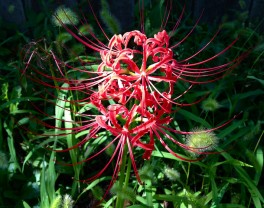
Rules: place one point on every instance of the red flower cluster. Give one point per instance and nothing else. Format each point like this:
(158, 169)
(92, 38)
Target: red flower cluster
(133, 91)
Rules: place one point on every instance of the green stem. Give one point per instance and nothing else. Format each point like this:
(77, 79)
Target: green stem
(148, 189)
(123, 180)
(128, 172)
(256, 147)
(149, 193)
(123, 166)
(188, 173)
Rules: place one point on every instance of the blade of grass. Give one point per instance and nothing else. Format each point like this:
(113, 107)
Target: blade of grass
(11, 145)
(71, 140)
(190, 116)
(18, 100)
(215, 201)
(51, 177)
(253, 190)
(44, 199)
(259, 159)
(167, 155)
(25, 204)
(92, 185)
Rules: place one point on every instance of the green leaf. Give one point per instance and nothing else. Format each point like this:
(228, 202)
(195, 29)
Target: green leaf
(249, 94)
(16, 93)
(231, 206)
(71, 141)
(18, 100)
(64, 37)
(215, 200)
(222, 192)
(60, 105)
(25, 204)
(138, 206)
(233, 162)
(29, 155)
(4, 51)
(191, 116)
(260, 80)
(11, 145)
(44, 199)
(4, 88)
(253, 190)
(259, 168)
(166, 155)
(227, 131)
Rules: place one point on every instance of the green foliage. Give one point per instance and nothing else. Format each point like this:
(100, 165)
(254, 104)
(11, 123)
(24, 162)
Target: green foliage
(126, 193)
(31, 175)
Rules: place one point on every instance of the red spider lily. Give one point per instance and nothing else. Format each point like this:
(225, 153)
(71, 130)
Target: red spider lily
(124, 88)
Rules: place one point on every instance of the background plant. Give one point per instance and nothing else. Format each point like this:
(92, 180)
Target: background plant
(225, 179)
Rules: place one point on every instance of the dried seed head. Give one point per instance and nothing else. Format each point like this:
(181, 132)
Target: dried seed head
(210, 104)
(67, 201)
(172, 174)
(109, 19)
(146, 172)
(64, 15)
(202, 140)
(56, 202)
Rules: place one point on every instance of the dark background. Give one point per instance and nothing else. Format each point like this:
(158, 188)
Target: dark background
(15, 11)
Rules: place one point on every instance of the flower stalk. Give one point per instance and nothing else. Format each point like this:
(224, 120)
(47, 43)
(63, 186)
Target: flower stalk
(124, 176)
